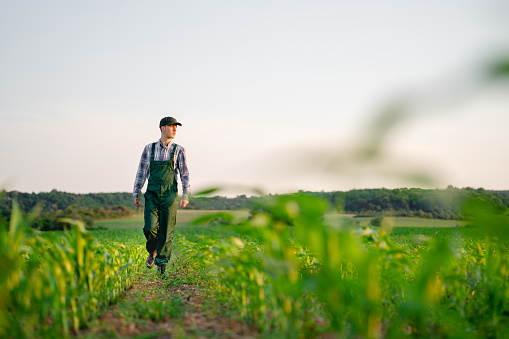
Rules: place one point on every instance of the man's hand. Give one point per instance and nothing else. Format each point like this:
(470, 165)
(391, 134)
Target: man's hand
(136, 202)
(183, 203)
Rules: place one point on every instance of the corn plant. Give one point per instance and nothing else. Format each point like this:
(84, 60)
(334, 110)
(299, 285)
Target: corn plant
(290, 272)
(52, 284)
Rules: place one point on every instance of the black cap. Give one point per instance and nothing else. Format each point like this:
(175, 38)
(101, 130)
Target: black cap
(168, 121)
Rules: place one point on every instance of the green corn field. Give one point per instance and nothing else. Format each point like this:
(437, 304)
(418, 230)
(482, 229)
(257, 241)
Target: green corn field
(284, 271)
(52, 284)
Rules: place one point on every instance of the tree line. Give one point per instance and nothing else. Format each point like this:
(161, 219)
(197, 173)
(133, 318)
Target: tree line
(51, 207)
(449, 203)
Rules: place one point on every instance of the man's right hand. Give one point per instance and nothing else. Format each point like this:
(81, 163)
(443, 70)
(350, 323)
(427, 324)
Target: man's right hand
(136, 202)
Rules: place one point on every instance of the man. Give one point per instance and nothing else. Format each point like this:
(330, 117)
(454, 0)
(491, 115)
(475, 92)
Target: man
(160, 162)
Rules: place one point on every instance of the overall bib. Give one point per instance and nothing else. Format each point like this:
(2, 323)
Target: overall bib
(161, 207)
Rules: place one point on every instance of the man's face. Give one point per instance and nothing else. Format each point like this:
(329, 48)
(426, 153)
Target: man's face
(169, 131)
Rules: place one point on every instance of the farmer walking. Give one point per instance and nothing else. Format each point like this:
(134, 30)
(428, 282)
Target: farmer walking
(160, 162)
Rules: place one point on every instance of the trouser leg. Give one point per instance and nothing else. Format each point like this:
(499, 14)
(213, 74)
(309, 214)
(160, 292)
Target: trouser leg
(151, 217)
(167, 222)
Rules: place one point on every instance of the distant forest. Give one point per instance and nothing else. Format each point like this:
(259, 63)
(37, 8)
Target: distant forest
(427, 203)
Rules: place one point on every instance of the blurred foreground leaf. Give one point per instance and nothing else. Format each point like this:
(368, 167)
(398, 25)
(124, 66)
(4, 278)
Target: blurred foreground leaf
(222, 216)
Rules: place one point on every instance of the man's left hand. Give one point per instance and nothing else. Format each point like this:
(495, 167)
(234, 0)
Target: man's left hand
(183, 203)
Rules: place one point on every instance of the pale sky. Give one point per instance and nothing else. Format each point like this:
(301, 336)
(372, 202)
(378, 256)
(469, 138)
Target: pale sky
(276, 95)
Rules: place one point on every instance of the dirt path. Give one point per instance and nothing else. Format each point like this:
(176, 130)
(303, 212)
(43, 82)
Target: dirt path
(190, 313)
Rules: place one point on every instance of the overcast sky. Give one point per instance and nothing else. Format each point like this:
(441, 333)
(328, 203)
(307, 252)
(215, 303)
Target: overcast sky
(277, 95)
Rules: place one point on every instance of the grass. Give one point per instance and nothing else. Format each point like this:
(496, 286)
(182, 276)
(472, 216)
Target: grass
(336, 218)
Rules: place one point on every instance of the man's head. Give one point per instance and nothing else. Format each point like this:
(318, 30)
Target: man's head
(168, 127)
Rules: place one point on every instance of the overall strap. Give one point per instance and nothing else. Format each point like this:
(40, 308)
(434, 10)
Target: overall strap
(173, 151)
(153, 151)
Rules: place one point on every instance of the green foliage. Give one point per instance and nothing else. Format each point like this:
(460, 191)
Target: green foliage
(52, 283)
(220, 217)
(284, 270)
(51, 202)
(139, 308)
(377, 221)
(500, 69)
(53, 206)
(289, 272)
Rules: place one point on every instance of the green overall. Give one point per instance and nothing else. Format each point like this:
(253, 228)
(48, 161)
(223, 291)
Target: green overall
(161, 207)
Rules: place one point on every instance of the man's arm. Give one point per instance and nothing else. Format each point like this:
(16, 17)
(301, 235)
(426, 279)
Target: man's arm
(141, 174)
(184, 177)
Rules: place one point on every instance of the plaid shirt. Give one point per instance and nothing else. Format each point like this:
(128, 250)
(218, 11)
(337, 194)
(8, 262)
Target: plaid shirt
(163, 153)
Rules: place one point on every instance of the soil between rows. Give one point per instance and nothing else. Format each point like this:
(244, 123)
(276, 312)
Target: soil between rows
(195, 316)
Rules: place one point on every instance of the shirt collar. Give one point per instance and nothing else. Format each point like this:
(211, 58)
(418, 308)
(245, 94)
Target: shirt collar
(165, 145)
